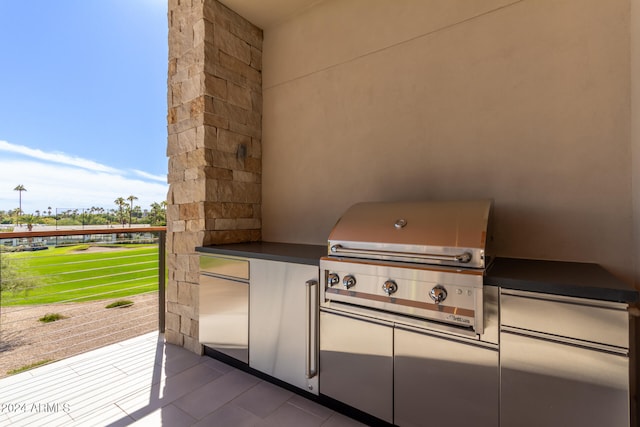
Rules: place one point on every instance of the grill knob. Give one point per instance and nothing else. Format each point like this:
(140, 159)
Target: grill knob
(389, 287)
(438, 294)
(348, 281)
(332, 279)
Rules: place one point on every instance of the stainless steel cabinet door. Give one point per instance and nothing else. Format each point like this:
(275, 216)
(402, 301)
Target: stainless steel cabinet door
(442, 382)
(284, 322)
(546, 383)
(356, 363)
(224, 316)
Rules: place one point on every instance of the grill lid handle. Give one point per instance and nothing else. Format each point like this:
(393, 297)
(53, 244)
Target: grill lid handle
(464, 257)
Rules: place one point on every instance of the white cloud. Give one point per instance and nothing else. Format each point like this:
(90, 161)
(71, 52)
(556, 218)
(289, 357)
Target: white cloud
(61, 158)
(63, 181)
(161, 178)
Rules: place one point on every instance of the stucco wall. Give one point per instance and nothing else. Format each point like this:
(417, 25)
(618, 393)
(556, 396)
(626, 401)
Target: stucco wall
(525, 102)
(635, 128)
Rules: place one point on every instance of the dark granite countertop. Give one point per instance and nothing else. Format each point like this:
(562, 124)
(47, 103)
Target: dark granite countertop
(573, 279)
(285, 252)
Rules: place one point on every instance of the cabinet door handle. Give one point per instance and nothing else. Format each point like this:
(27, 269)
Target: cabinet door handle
(311, 344)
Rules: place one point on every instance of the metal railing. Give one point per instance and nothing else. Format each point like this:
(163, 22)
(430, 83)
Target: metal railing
(64, 292)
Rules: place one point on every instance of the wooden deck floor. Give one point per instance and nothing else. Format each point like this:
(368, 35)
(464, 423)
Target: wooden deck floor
(144, 381)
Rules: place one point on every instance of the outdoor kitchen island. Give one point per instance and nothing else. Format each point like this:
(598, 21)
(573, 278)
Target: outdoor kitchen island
(563, 341)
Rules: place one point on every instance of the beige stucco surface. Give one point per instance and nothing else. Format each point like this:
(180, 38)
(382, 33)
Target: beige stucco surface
(635, 128)
(525, 102)
(267, 13)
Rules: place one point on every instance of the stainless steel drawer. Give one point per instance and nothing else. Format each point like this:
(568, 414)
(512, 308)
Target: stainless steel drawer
(577, 318)
(550, 384)
(237, 268)
(224, 316)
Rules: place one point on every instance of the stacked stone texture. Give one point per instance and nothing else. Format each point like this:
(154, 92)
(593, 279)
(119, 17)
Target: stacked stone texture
(214, 147)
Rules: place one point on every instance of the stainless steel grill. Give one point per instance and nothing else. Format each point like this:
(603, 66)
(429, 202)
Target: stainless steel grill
(404, 316)
(421, 259)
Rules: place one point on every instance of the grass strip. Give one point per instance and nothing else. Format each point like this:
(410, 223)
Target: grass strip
(30, 366)
(64, 274)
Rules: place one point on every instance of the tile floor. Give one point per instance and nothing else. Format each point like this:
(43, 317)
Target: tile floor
(146, 382)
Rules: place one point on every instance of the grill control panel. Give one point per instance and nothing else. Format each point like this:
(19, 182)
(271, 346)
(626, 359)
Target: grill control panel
(449, 297)
(411, 290)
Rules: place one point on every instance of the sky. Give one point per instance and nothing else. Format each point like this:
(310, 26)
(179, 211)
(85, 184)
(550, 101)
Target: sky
(83, 103)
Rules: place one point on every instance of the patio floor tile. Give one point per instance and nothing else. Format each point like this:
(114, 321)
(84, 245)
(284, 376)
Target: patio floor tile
(145, 382)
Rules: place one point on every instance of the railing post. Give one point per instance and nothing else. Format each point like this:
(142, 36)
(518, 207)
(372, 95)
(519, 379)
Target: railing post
(1, 296)
(161, 279)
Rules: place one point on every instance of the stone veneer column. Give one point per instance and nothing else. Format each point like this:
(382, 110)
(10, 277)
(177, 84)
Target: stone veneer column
(214, 147)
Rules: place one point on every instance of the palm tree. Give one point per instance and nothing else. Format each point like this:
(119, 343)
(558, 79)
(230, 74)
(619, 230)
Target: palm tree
(100, 212)
(29, 220)
(20, 188)
(157, 212)
(131, 199)
(120, 203)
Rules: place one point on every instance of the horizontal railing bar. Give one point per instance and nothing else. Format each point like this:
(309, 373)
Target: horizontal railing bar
(101, 337)
(62, 271)
(67, 282)
(12, 301)
(97, 338)
(110, 326)
(66, 330)
(80, 232)
(109, 267)
(143, 297)
(15, 303)
(92, 295)
(130, 309)
(68, 340)
(96, 304)
(25, 259)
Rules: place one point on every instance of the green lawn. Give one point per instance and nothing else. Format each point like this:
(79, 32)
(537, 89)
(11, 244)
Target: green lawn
(71, 275)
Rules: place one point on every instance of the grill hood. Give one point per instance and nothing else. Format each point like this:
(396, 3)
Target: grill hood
(453, 233)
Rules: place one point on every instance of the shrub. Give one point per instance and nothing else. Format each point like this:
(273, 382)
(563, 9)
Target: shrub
(12, 279)
(51, 317)
(120, 303)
